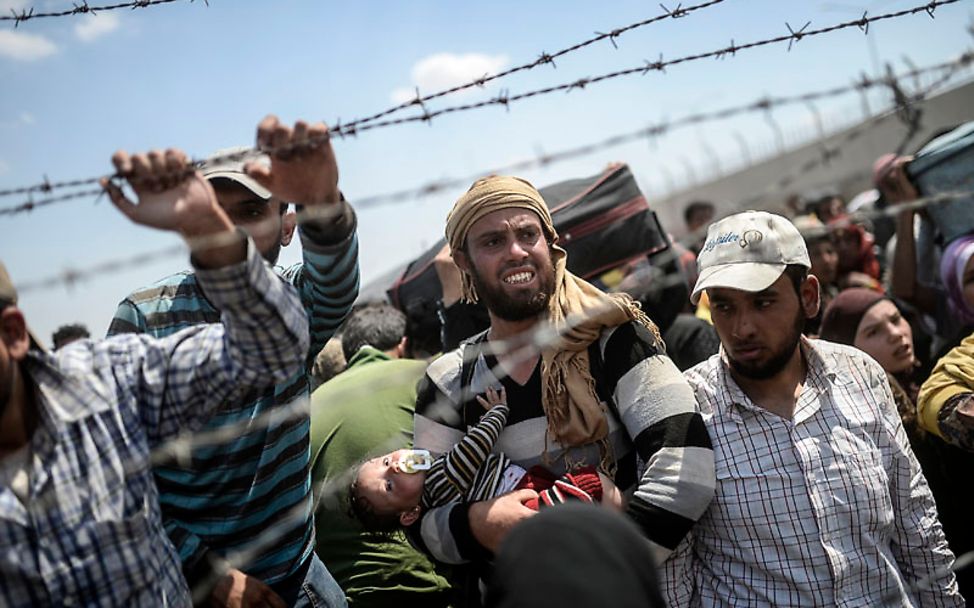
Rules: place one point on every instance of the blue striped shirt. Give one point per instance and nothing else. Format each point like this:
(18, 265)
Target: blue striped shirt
(89, 531)
(228, 493)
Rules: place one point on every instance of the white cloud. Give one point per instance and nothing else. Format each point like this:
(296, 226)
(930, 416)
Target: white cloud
(25, 47)
(4, 167)
(444, 70)
(26, 118)
(95, 26)
(12, 5)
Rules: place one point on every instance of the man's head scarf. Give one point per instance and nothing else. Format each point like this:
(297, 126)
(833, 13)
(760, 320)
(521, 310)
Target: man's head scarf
(577, 311)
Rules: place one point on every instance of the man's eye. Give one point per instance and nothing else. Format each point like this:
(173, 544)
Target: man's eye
(385, 461)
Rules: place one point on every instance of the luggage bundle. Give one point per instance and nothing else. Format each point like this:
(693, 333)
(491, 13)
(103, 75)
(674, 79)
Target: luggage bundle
(602, 221)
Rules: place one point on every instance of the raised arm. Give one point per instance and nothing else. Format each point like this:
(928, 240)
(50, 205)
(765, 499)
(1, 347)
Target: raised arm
(181, 379)
(452, 475)
(896, 188)
(304, 170)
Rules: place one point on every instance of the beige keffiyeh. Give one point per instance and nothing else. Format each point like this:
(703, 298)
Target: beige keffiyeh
(578, 311)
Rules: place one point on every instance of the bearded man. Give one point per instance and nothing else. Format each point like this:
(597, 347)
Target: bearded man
(586, 376)
(820, 500)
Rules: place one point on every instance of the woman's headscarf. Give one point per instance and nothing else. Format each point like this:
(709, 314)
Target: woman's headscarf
(952, 265)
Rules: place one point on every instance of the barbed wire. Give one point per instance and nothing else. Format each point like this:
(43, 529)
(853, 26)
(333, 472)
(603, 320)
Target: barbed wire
(543, 59)
(505, 99)
(70, 277)
(762, 104)
(903, 109)
(659, 65)
(83, 8)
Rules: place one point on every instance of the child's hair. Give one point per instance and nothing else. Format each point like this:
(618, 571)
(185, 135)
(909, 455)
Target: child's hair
(360, 508)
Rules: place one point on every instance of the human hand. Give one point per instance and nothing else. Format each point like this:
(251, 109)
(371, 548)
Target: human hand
(449, 275)
(238, 590)
(303, 167)
(493, 398)
(174, 197)
(894, 183)
(492, 520)
(612, 497)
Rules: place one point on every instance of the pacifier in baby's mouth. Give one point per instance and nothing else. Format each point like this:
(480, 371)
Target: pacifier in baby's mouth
(413, 461)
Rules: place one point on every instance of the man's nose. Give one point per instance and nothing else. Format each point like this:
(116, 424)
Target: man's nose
(743, 326)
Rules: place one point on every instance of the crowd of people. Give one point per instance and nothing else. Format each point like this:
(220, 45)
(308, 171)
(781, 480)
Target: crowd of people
(773, 411)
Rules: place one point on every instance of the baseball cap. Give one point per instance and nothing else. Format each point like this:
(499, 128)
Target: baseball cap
(748, 251)
(8, 297)
(233, 170)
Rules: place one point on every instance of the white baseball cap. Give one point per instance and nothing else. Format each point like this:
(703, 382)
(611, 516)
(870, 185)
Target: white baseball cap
(233, 168)
(748, 251)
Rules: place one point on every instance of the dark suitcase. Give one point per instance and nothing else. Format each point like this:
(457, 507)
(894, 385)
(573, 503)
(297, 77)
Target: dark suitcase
(602, 222)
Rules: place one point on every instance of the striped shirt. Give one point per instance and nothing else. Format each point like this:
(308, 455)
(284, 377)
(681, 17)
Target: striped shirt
(469, 471)
(652, 414)
(228, 493)
(89, 531)
(826, 509)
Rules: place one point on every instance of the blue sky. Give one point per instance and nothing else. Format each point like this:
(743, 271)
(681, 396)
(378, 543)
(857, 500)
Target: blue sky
(75, 89)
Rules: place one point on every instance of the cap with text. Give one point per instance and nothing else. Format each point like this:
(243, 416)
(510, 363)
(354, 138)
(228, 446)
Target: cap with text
(748, 251)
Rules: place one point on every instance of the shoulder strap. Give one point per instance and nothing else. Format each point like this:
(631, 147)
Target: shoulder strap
(595, 364)
(469, 352)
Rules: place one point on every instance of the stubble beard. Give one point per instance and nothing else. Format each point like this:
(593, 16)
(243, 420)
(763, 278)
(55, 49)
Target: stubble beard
(778, 361)
(511, 308)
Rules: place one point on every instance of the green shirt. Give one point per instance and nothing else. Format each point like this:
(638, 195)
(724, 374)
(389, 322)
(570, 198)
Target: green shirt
(363, 412)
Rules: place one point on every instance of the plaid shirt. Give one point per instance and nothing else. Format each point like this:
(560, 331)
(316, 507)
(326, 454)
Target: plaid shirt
(826, 509)
(90, 532)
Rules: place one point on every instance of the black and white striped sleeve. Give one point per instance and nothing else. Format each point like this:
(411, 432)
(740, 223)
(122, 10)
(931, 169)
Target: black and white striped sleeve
(659, 411)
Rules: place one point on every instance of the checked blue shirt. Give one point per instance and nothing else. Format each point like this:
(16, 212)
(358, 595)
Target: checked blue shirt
(90, 531)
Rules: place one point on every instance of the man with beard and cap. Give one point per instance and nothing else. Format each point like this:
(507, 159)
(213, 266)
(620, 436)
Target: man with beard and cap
(586, 376)
(225, 493)
(80, 522)
(820, 500)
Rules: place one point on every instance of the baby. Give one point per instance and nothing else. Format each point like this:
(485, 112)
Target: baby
(393, 490)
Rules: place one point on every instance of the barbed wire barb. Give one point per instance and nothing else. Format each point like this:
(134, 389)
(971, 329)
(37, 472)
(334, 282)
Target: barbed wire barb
(796, 35)
(864, 22)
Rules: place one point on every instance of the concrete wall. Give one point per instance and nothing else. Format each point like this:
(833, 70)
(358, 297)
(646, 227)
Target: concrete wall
(756, 187)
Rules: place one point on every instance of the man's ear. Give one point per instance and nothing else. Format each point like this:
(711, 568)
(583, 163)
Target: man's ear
(13, 332)
(461, 260)
(408, 518)
(402, 348)
(289, 222)
(811, 296)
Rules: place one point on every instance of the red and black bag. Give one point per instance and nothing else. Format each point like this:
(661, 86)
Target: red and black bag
(602, 221)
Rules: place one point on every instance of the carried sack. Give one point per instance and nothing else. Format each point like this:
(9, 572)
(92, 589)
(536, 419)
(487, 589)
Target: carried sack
(602, 221)
(946, 164)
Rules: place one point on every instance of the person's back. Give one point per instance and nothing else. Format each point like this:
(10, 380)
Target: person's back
(367, 409)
